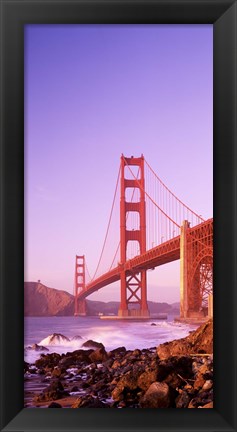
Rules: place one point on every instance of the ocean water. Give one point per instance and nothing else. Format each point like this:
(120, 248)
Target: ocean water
(131, 334)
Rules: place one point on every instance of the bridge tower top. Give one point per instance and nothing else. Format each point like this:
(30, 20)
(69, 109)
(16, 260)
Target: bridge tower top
(80, 281)
(125, 206)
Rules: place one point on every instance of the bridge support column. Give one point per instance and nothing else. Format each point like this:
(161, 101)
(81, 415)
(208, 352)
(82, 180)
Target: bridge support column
(79, 286)
(183, 271)
(133, 285)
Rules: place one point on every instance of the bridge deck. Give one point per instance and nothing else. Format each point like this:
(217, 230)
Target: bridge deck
(159, 255)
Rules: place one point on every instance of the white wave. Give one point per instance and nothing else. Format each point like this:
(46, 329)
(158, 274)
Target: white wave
(131, 335)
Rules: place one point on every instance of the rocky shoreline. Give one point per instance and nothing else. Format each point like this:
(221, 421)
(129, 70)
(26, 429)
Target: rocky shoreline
(177, 374)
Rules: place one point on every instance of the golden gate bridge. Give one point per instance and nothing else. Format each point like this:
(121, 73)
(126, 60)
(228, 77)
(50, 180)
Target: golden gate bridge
(156, 228)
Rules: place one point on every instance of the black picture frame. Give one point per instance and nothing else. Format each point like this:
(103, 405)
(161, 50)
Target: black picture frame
(14, 14)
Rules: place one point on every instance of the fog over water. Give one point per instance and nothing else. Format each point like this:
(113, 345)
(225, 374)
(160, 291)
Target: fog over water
(136, 334)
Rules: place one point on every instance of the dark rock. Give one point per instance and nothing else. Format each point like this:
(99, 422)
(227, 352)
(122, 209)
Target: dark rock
(99, 355)
(74, 389)
(182, 400)
(57, 338)
(157, 396)
(53, 392)
(127, 382)
(47, 360)
(77, 337)
(147, 378)
(136, 353)
(199, 341)
(75, 357)
(57, 372)
(37, 347)
(89, 402)
(55, 405)
(26, 366)
(92, 344)
(120, 350)
(153, 324)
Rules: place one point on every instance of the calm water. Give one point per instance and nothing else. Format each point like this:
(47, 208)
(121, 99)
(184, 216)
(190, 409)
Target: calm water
(111, 333)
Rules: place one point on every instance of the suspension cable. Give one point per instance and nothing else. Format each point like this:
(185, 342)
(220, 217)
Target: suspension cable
(133, 193)
(163, 184)
(108, 226)
(150, 197)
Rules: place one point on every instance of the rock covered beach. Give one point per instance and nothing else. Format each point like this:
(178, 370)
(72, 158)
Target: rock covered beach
(176, 374)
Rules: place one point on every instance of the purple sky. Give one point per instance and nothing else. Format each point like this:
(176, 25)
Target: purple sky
(93, 92)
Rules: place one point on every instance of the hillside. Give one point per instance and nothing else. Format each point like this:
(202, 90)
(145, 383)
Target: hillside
(41, 300)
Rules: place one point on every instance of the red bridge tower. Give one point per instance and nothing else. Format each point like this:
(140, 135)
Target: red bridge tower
(80, 305)
(133, 283)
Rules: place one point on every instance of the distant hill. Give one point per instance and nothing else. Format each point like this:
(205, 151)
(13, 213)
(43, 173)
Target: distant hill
(41, 300)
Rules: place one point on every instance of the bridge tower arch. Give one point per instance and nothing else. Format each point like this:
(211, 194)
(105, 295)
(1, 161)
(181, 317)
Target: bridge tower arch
(79, 285)
(133, 283)
(196, 270)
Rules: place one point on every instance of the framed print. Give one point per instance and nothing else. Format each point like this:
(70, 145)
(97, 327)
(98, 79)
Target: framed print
(77, 79)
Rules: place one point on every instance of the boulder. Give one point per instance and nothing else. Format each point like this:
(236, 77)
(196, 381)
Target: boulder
(47, 361)
(197, 342)
(127, 382)
(182, 400)
(55, 339)
(119, 350)
(37, 347)
(157, 396)
(89, 402)
(98, 356)
(92, 344)
(147, 378)
(53, 392)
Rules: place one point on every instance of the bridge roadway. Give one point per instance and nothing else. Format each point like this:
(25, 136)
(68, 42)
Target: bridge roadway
(166, 252)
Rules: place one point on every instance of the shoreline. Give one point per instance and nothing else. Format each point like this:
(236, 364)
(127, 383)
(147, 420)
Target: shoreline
(177, 374)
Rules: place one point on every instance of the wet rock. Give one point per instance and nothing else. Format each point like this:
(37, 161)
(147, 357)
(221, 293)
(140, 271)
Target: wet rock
(99, 355)
(127, 382)
(182, 400)
(199, 341)
(89, 402)
(147, 378)
(57, 372)
(56, 339)
(153, 324)
(53, 392)
(48, 360)
(75, 357)
(202, 398)
(75, 388)
(120, 351)
(207, 385)
(199, 382)
(136, 353)
(116, 364)
(157, 396)
(26, 366)
(92, 344)
(36, 347)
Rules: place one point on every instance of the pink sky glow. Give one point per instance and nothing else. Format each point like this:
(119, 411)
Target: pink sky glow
(93, 92)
